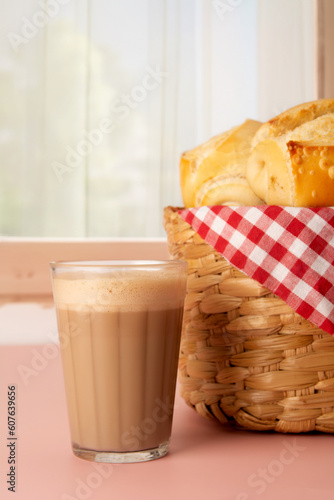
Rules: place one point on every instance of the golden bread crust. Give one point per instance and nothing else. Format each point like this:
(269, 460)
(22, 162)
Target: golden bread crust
(292, 158)
(293, 118)
(214, 172)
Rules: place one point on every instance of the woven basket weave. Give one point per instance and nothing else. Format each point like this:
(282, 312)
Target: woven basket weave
(246, 357)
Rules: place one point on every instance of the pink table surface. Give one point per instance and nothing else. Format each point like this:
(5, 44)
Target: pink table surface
(206, 459)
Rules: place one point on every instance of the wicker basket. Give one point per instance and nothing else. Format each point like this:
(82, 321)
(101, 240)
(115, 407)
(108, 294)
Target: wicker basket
(246, 357)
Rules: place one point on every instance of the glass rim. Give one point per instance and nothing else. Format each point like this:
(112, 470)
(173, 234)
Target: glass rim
(116, 264)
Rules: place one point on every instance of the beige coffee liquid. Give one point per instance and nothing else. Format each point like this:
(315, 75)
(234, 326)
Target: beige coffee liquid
(119, 341)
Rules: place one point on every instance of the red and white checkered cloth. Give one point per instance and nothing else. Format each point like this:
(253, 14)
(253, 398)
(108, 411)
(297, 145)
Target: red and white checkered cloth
(289, 250)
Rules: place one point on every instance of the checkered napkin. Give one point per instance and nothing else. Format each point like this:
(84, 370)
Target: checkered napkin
(289, 250)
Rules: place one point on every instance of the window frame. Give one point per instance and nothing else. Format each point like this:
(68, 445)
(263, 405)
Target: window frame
(324, 50)
(24, 262)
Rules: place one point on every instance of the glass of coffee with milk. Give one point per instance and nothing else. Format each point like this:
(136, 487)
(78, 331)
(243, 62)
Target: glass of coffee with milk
(119, 325)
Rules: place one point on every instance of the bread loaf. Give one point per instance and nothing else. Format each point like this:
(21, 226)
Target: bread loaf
(292, 157)
(214, 173)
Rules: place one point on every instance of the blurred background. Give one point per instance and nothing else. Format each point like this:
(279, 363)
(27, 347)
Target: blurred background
(98, 100)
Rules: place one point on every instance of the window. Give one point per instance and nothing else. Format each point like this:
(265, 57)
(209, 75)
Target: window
(100, 98)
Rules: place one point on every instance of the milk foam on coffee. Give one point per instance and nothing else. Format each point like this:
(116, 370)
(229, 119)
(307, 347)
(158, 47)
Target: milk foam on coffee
(119, 344)
(125, 291)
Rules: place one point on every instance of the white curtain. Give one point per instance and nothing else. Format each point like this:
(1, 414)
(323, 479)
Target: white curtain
(100, 98)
